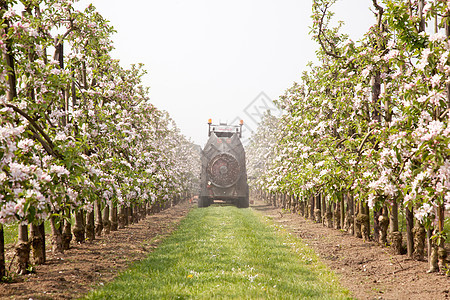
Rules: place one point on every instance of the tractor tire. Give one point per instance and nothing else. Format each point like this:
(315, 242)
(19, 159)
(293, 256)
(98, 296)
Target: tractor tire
(243, 202)
(203, 202)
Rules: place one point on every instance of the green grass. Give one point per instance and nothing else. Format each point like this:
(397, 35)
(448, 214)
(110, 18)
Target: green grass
(10, 233)
(447, 228)
(225, 252)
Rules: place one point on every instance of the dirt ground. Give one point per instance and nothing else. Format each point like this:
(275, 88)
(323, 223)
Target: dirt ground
(366, 269)
(87, 266)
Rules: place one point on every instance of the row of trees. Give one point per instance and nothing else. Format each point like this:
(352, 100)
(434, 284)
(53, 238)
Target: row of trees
(78, 134)
(366, 132)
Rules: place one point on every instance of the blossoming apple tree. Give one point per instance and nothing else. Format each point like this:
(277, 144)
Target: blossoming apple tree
(368, 128)
(78, 134)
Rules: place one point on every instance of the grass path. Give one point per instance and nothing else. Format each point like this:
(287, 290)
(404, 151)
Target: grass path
(225, 252)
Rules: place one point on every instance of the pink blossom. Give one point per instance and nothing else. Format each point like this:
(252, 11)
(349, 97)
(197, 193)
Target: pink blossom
(423, 211)
(437, 37)
(365, 72)
(436, 79)
(60, 136)
(8, 131)
(18, 208)
(426, 8)
(435, 128)
(408, 86)
(422, 99)
(408, 198)
(25, 144)
(18, 171)
(59, 170)
(435, 97)
(444, 57)
(7, 212)
(391, 54)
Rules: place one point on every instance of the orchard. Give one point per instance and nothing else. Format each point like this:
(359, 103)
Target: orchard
(81, 145)
(362, 145)
(365, 134)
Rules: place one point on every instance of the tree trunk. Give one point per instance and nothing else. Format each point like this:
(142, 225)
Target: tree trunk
(137, 216)
(317, 211)
(307, 205)
(67, 235)
(42, 230)
(130, 209)
(442, 256)
(433, 254)
(384, 225)
(57, 245)
(23, 251)
(98, 218)
(429, 234)
(357, 222)
(149, 205)
(106, 221)
(114, 218)
(419, 241)
(37, 244)
(376, 224)
(440, 241)
(342, 212)
(136, 213)
(337, 212)
(294, 204)
(329, 216)
(2, 253)
(363, 220)
(127, 216)
(90, 226)
(79, 229)
(323, 206)
(351, 214)
(312, 207)
(122, 217)
(144, 209)
(301, 208)
(409, 216)
(394, 235)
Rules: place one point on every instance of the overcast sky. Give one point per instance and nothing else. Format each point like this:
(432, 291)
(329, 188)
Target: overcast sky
(211, 59)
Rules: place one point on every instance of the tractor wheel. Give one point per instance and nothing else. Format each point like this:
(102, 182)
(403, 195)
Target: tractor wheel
(203, 202)
(200, 202)
(243, 202)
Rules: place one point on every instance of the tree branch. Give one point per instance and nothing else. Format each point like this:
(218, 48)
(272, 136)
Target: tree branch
(378, 7)
(47, 143)
(364, 141)
(321, 32)
(334, 157)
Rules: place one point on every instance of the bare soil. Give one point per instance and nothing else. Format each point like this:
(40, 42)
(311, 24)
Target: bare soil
(87, 266)
(366, 269)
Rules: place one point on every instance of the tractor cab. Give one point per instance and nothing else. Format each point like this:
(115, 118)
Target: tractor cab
(225, 130)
